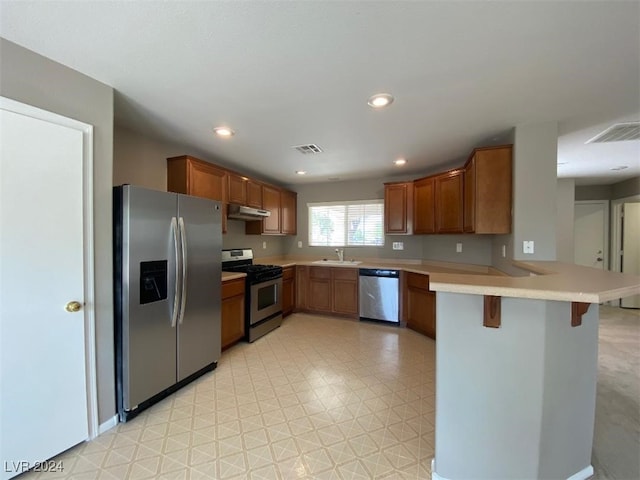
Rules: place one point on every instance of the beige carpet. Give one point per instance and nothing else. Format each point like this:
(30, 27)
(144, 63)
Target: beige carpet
(616, 448)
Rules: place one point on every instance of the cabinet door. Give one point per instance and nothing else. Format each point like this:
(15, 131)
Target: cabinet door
(206, 181)
(288, 290)
(254, 194)
(493, 189)
(424, 206)
(420, 307)
(271, 202)
(344, 291)
(449, 193)
(289, 212)
(398, 211)
(470, 196)
(232, 312)
(302, 282)
(319, 293)
(237, 191)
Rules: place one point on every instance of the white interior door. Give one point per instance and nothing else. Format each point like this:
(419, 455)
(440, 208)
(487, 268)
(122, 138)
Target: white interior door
(590, 234)
(43, 386)
(631, 248)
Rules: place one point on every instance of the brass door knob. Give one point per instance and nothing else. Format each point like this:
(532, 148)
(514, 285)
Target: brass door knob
(73, 306)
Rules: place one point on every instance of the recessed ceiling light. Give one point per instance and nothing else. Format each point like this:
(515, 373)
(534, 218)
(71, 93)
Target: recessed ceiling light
(225, 132)
(399, 162)
(380, 100)
(620, 167)
(301, 172)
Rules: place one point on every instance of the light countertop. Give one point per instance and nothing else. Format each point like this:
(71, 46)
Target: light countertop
(226, 276)
(547, 280)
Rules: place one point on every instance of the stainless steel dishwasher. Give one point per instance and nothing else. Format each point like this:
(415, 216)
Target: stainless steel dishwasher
(379, 294)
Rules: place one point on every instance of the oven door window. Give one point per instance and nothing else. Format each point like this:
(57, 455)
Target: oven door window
(267, 296)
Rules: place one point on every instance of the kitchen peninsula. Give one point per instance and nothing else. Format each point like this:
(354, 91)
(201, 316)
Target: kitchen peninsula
(516, 365)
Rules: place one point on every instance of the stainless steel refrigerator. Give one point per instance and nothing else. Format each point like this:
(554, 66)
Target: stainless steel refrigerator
(167, 270)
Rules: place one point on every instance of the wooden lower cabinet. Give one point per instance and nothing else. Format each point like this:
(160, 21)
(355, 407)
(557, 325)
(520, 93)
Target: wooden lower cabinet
(328, 290)
(232, 312)
(288, 290)
(319, 289)
(419, 304)
(344, 291)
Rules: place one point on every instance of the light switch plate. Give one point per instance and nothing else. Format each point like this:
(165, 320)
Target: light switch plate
(398, 245)
(264, 245)
(504, 251)
(459, 247)
(299, 243)
(527, 247)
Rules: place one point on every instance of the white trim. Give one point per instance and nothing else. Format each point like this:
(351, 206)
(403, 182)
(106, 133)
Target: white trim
(583, 474)
(88, 238)
(375, 201)
(108, 425)
(586, 472)
(607, 225)
(616, 234)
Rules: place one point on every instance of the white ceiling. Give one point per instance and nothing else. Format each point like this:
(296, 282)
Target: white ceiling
(289, 73)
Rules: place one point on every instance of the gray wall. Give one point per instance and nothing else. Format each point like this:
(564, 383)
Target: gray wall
(140, 160)
(593, 192)
(565, 220)
(35, 80)
(476, 249)
(625, 188)
(535, 189)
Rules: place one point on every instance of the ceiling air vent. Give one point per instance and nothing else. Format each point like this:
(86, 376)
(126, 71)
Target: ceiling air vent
(308, 149)
(618, 133)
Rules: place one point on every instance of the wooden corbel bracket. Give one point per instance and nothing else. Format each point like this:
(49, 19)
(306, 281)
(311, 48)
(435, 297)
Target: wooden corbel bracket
(577, 310)
(492, 311)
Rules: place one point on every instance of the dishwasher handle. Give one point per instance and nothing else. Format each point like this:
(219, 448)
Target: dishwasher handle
(379, 272)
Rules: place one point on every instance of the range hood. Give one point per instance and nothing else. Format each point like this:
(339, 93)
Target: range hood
(240, 212)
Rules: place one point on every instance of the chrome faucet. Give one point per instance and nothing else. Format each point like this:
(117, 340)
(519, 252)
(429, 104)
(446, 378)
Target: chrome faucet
(340, 252)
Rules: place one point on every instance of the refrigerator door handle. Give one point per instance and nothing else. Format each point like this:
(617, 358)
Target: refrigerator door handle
(183, 283)
(176, 294)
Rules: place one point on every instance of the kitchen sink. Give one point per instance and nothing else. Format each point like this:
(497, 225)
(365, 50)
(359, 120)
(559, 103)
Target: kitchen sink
(338, 262)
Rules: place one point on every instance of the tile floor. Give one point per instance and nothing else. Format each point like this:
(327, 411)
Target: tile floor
(318, 398)
(324, 398)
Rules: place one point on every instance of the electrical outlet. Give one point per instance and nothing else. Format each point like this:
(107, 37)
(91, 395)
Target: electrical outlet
(459, 247)
(398, 245)
(299, 243)
(527, 247)
(504, 251)
(264, 245)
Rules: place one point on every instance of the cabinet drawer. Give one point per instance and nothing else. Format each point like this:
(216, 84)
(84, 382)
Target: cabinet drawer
(231, 288)
(320, 272)
(341, 273)
(415, 280)
(288, 273)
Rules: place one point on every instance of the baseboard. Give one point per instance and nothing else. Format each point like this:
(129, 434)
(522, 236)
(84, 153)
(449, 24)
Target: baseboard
(108, 425)
(583, 474)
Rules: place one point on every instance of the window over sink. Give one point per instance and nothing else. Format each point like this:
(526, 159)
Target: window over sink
(346, 224)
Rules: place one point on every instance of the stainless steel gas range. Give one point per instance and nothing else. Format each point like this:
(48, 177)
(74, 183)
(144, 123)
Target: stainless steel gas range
(263, 297)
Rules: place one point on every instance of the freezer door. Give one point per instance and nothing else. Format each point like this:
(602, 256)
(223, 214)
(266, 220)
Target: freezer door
(199, 321)
(146, 335)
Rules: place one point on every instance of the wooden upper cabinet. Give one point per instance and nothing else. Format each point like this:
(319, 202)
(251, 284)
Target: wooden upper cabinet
(288, 208)
(271, 202)
(424, 205)
(269, 225)
(237, 189)
(191, 176)
(398, 208)
(449, 204)
(254, 194)
(488, 190)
